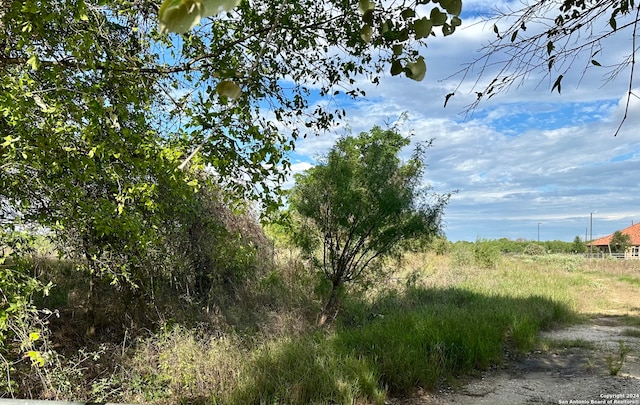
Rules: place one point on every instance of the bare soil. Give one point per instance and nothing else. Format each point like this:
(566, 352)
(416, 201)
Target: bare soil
(571, 368)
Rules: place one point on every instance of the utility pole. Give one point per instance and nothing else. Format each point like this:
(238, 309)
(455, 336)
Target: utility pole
(591, 233)
(586, 233)
(539, 232)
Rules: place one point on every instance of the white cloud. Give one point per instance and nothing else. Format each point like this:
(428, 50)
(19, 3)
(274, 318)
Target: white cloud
(523, 157)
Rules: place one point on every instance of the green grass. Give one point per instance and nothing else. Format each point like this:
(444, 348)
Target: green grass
(634, 281)
(399, 343)
(632, 332)
(307, 370)
(419, 338)
(433, 321)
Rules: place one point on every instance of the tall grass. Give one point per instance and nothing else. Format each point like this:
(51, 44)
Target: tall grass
(396, 344)
(432, 320)
(420, 337)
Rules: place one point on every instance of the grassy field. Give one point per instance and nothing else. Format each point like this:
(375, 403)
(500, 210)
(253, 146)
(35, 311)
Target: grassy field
(431, 320)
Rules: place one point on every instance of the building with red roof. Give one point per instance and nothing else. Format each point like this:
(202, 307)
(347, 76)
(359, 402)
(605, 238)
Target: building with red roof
(633, 252)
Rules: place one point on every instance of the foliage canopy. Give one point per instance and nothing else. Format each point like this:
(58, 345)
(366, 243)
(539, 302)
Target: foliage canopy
(620, 242)
(108, 121)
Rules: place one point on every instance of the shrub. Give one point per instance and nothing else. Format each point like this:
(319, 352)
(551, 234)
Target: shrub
(486, 254)
(533, 249)
(462, 255)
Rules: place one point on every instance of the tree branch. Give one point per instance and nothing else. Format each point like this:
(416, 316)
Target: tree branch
(633, 64)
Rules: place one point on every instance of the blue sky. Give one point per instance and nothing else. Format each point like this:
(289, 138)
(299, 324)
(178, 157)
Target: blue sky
(525, 160)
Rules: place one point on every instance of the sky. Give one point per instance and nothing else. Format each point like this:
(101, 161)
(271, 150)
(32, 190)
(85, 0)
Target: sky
(528, 163)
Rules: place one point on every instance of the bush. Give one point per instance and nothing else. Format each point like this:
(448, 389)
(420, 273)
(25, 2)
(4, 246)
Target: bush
(440, 246)
(533, 249)
(486, 254)
(462, 255)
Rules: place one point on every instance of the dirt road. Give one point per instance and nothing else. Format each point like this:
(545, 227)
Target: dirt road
(574, 368)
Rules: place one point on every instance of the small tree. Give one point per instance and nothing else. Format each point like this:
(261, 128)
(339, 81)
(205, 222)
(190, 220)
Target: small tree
(362, 202)
(620, 242)
(578, 245)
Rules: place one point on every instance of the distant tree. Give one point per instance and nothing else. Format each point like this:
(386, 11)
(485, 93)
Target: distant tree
(578, 245)
(361, 202)
(620, 242)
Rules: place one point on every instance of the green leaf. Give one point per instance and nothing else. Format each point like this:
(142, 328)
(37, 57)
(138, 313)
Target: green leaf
(453, 7)
(215, 7)
(228, 89)
(408, 13)
(447, 30)
(550, 47)
(366, 33)
(36, 358)
(595, 62)
(495, 29)
(397, 49)
(416, 70)
(422, 27)
(366, 5)
(179, 16)
(557, 85)
(367, 17)
(33, 62)
(613, 23)
(437, 17)
(456, 21)
(384, 28)
(514, 35)
(396, 68)
(8, 140)
(193, 183)
(403, 35)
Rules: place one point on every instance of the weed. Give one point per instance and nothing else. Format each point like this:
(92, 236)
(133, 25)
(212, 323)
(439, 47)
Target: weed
(615, 364)
(632, 332)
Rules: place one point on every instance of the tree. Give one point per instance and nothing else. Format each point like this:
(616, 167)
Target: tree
(619, 242)
(361, 202)
(105, 116)
(549, 38)
(578, 245)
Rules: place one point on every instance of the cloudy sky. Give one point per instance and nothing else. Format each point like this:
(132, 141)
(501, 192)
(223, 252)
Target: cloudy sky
(524, 161)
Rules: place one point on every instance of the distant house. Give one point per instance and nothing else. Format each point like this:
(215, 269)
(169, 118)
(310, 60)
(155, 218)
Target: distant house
(633, 252)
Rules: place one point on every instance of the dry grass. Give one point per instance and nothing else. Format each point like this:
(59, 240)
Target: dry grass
(197, 366)
(590, 286)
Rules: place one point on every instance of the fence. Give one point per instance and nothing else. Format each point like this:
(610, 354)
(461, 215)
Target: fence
(602, 255)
